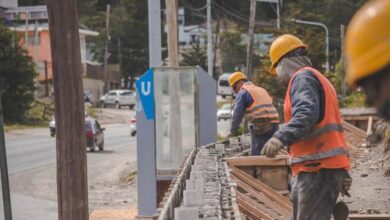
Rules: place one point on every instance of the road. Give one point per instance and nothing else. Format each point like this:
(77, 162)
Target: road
(31, 157)
(31, 160)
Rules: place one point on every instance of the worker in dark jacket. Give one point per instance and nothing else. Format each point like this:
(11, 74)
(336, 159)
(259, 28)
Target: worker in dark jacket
(312, 132)
(255, 104)
(367, 49)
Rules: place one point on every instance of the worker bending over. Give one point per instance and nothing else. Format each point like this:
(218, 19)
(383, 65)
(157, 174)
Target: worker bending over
(312, 131)
(256, 104)
(368, 54)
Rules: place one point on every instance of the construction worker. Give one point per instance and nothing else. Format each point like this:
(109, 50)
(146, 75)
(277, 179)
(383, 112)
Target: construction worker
(368, 54)
(256, 104)
(312, 132)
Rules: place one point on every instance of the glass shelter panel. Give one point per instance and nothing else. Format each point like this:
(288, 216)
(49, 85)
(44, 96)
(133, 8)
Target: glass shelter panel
(176, 121)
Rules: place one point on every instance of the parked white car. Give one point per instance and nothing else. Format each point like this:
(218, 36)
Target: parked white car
(118, 98)
(225, 112)
(224, 88)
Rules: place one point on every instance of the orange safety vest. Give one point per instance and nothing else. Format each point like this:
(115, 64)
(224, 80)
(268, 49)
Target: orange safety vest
(324, 146)
(262, 106)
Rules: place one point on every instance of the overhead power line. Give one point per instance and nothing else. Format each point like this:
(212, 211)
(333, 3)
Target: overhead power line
(192, 8)
(230, 13)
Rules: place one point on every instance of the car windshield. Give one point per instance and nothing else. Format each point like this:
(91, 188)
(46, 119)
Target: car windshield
(126, 93)
(223, 83)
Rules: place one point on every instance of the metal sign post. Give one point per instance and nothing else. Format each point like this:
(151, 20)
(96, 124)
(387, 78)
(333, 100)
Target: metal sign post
(146, 146)
(4, 170)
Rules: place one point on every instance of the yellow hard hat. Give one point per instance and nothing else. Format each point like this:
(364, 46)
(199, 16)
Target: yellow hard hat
(235, 77)
(367, 42)
(280, 47)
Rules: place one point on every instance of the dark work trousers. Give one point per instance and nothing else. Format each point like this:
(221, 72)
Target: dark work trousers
(258, 141)
(314, 195)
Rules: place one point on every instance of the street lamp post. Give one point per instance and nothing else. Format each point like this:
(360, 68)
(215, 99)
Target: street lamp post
(327, 36)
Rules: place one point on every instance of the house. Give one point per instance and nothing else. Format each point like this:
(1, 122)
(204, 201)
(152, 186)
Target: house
(6, 4)
(31, 25)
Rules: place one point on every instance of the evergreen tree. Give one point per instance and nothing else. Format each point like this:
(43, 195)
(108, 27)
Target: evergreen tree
(196, 56)
(16, 77)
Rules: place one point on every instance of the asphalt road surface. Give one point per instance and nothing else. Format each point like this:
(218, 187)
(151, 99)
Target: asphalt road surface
(31, 162)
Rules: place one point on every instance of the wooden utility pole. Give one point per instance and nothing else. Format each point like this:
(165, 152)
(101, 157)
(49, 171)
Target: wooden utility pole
(343, 84)
(174, 84)
(250, 39)
(72, 187)
(173, 50)
(46, 80)
(106, 78)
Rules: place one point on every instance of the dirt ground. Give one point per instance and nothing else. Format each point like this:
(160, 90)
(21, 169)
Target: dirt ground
(371, 187)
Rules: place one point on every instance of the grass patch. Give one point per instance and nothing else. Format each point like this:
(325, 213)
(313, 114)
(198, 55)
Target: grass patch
(129, 177)
(91, 111)
(36, 117)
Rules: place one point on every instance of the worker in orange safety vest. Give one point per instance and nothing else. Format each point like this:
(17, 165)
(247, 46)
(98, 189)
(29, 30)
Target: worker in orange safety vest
(312, 131)
(256, 105)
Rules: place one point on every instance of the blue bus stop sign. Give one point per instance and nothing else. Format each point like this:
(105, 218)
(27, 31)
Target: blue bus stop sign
(145, 91)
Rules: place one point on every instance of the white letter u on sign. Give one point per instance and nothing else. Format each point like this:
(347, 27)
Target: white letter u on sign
(146, 91)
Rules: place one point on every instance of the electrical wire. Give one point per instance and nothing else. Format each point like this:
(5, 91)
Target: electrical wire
(192, 8)
(230, 13)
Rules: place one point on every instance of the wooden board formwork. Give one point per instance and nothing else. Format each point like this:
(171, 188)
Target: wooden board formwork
(256, 178)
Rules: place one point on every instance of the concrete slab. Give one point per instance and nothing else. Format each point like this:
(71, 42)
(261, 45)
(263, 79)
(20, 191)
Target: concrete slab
(185, 213)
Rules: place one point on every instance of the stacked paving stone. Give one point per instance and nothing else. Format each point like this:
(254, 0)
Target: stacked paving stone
(203, 189)
(208, 192)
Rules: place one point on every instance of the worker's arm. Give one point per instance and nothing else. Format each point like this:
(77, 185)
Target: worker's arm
(243, 101)
(307, 100)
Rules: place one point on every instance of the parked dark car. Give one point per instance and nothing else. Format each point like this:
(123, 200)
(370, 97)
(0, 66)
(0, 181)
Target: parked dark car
(94, 134)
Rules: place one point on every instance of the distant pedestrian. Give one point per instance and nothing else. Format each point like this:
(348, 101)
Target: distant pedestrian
(256, 105)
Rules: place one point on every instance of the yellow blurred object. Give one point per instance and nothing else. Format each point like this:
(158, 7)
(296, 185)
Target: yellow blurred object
(280, 47)
(235, 77)
(367, 42)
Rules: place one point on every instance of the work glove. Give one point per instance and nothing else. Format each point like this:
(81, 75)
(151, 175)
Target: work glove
(272, 147)
(346, 186)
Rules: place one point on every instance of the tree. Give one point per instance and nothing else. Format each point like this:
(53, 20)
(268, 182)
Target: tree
(195, 56)
(233, 52)
(16, 77)
(128, 45)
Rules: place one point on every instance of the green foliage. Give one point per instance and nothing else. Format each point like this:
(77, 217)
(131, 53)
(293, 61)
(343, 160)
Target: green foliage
(128, 44)
(332, 13)
(196, 56)
(16, 77)
(233, 52)
(355, 99)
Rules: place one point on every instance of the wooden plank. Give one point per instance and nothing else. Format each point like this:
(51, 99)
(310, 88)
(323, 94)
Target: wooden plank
(280, 160)
(259, 186)
(354, 129)
(275, 177)
(247, 212)
(368, 216)
(261, 197)
(266, 210)
(251, 207)
(369, 126)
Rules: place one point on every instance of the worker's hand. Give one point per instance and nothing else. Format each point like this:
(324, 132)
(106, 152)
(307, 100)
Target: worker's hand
(272, 147)
(346, 186)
